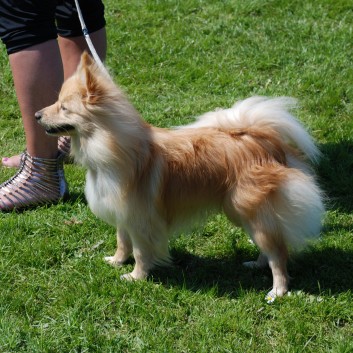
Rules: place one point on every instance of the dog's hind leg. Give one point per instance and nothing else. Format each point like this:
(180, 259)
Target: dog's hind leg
(274, 250)
(123, 251)
(234, 216)
(278, 265)
(263, 229)
(281, 208)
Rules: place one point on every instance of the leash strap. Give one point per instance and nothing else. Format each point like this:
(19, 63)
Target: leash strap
(88, 40)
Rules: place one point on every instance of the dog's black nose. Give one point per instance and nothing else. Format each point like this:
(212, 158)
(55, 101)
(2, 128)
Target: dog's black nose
(38, 115)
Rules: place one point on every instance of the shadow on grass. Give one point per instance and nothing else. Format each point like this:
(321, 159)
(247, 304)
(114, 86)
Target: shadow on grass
(76, 197)
(336, 175)
(326, 270)
(227, 275)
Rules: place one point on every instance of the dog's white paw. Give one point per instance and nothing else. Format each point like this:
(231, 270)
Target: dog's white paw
(112, 261)
(127, 277)
(273, 294)
(251, 264)
(270, 297)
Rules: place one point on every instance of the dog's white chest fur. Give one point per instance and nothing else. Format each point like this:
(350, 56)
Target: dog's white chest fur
(103, 196)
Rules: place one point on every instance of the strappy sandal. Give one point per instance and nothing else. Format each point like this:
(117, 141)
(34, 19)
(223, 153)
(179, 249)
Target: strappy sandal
(38, 181)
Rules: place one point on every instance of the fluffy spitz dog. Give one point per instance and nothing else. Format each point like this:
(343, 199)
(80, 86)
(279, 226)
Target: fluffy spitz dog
(250, 161)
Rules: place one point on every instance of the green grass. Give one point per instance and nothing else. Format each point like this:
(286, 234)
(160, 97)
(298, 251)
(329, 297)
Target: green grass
(178, 59)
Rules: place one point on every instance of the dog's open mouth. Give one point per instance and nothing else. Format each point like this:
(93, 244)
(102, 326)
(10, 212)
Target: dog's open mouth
(58, 130)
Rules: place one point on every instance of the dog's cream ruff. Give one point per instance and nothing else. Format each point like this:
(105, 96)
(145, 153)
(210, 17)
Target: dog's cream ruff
(251, 161)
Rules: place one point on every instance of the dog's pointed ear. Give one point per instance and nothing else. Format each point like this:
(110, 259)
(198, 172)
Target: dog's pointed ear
(87, 71)
(86, 59)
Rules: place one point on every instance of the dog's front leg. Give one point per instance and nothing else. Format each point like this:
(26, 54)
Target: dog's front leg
(150, 248)
(143, 264)
(123, 251)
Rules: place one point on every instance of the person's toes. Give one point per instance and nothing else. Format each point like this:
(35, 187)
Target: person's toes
(11, 162)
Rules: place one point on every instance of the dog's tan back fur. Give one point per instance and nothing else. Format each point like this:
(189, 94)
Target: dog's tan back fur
(207, 166)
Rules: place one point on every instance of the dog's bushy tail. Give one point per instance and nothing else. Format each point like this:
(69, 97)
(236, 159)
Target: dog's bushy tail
(299, 209)
(285, 203)
(267, 113)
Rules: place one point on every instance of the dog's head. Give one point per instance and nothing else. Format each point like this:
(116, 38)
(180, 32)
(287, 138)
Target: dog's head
(85, 101)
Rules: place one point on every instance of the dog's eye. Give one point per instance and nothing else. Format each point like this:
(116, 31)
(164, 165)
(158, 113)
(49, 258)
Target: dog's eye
(63, 108)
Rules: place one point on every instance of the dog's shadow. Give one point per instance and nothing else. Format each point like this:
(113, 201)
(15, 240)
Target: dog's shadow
(201, 274)
(335, 173)
(314, 271)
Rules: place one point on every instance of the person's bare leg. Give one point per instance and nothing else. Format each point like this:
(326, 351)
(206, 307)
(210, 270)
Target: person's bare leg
(38, 75)
(70, 51)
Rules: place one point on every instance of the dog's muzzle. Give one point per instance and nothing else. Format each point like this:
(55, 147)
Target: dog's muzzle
(53, 130)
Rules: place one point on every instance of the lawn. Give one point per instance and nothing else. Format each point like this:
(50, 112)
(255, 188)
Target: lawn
(176, 60)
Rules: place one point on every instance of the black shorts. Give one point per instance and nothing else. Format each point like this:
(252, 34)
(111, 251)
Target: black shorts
(24, 23)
